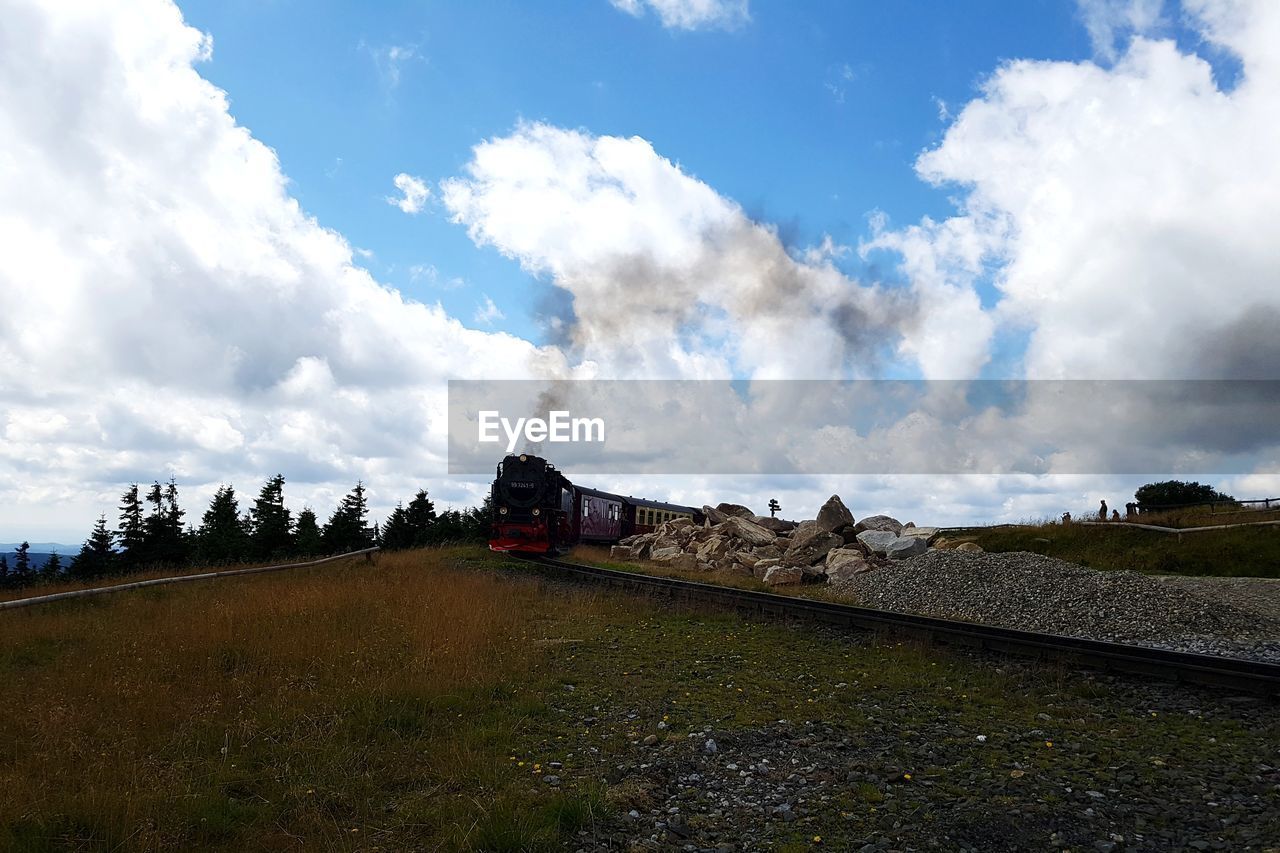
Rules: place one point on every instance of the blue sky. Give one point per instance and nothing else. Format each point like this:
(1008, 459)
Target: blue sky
(810, 116)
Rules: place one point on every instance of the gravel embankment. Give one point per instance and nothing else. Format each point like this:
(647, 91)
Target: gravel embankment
(1037, 593)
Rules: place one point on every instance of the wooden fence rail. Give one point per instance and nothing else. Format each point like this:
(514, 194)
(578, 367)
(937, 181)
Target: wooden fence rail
(120, 587)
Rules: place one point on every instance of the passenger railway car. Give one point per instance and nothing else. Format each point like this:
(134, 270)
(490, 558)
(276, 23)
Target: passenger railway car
(537, 510)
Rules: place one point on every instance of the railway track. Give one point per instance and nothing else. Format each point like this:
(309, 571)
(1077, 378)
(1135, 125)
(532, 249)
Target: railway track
(1233, 674)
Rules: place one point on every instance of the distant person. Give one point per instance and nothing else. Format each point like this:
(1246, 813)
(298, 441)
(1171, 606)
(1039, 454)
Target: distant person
(1102, 512)
(1066, 518)
(1115, 515)
(1130, 509)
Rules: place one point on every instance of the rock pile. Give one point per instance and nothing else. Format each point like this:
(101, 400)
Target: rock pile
(832, 547)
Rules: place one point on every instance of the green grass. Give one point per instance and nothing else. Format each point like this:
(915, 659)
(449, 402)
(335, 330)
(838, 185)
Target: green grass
(418, 705)
(1237, 552)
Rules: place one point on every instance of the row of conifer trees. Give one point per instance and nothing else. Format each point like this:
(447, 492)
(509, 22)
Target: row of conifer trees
(152, 532)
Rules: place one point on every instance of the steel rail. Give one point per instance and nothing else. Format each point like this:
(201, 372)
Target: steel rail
(1235, 674)
(201, 576)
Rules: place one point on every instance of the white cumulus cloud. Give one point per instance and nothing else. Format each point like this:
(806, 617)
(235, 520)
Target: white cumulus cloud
(664, 276)
(691, 14)
(167, 309)
(414, 193)
(1123, 218)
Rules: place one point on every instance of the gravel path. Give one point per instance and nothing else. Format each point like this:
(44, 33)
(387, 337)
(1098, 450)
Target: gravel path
(1260, 596)
(1038, 593)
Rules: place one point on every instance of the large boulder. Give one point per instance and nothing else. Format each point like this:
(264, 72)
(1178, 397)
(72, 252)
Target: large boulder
(780, 575)
(714, 516)
(809, 545)
(844, 563)
(763, 566)
(879, 522)
(907, 546)
(748, 531)
(715, 548)
(768, 552)
(834, 515)
(737, 510)
(928, 534)
(665, 553)
(878, 541)
(972, 547)
(620, 552)
(685, 563)
(777, 525)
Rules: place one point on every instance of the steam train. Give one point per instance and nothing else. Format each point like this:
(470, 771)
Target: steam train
(536, 510)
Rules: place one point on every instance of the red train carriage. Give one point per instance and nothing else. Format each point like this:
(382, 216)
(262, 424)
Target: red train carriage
(599, 516)
(537, 510)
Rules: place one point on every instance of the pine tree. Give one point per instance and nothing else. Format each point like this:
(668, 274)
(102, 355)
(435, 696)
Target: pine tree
(131, 534)
(222, 537)
(4, 570)
(22, 573)
(96, 558)
(272, 523)
(396, 531)
(348, 528)
(307, 540)
(177, 541)
(52, 569)
(164, 541)
(477, 521)
(421, 516)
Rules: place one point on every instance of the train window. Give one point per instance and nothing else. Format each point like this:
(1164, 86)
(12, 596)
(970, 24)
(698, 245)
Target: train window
(586, 507)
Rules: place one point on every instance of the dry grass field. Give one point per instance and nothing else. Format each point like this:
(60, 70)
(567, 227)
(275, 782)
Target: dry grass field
(420, 703)
(317, 704)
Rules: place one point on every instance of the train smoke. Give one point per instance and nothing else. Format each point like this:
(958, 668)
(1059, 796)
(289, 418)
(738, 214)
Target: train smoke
(661, 276)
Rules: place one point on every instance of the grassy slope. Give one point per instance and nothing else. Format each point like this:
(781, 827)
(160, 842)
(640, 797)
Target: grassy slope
(416, 705)
(1238, 552)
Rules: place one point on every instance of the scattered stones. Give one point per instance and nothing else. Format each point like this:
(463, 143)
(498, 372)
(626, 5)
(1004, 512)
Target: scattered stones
(1037, 593)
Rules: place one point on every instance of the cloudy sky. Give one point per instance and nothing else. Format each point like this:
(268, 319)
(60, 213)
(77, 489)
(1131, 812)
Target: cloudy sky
(240, 238)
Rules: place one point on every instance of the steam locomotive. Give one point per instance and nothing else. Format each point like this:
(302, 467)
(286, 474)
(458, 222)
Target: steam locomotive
(536, 510)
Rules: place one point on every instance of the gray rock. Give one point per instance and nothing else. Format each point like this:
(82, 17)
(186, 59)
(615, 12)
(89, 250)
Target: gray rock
(777, 525)
(783, 575)
(844, 563)
(879, 522)
(905, 547)
(809, 544)
(737, 510)
(714, 548)
(665, 553)
(878, 541)
(834, 515)
(748, 531)
(714, 516)
(928, 534)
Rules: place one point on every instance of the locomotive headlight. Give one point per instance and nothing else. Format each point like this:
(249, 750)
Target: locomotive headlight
(502, 510)
(524, 458)
(537, 511)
